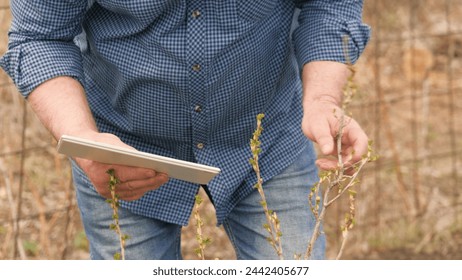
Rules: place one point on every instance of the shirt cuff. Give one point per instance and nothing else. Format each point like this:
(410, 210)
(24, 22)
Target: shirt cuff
(33, 63)
(330, 39)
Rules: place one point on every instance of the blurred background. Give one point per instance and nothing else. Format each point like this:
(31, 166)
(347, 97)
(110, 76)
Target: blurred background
(409, 203)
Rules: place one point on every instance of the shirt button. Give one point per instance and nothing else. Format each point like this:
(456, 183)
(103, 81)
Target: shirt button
(196, 14)
(196, 67)
(200, 146)
(198, 108)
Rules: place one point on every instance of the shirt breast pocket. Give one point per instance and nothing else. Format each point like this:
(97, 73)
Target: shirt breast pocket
(255, 10)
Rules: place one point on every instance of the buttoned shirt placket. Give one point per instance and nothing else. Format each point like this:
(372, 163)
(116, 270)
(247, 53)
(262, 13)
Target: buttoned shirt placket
(197, 73)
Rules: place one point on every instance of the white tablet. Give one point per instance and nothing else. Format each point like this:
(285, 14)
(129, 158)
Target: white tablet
(104, 153)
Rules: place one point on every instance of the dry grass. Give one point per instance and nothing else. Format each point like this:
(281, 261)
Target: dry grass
(408, 205)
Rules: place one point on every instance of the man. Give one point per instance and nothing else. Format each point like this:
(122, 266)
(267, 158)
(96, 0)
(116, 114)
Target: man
(186, 79)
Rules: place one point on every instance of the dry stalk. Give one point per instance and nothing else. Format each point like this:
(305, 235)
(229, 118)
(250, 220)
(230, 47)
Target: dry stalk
(69, 217)
(340, 178)
(44, 226)
(272, 224)
(349, 222)
(201, 240)
(17, 245)
(114, 203)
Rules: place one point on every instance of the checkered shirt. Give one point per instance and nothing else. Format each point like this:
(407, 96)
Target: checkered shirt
(186, 78)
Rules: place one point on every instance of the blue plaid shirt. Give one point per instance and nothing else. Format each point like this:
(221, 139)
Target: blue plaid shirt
(186, 79)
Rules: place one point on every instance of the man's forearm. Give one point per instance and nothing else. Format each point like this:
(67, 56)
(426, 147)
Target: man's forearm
(61, 106)
(324, 81)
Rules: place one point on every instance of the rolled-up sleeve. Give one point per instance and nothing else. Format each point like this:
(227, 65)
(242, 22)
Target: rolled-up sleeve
(323, 27)
(41, 43)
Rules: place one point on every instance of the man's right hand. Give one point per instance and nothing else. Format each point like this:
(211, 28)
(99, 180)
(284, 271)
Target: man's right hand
(60, 104)
(134, 182)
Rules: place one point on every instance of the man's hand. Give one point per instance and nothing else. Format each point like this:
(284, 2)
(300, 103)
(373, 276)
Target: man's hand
(323, 82)
(134, 181)
(321, 123)
(61, 105)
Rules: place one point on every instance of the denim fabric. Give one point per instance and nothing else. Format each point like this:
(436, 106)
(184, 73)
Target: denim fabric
(149, 238)
(286, 193)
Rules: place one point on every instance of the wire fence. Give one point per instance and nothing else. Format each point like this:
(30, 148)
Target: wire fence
(409, 202)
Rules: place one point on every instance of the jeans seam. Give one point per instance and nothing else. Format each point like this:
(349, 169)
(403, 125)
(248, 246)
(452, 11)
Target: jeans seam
(178, 244)
(231, 238)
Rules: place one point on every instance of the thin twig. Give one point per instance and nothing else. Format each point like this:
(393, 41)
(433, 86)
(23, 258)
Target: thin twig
(342, 245)
(44, 227)
(68, 220)
(351, 182)
(338, 179)
(114, 203)
(17, 245)
(201, 240)
(339, 174)
(317, 227)
(272, 221)
(349, 223)
(21, 179)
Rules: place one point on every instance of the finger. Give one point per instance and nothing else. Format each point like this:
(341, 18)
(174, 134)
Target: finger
(327, 164)
(133, 189)
(321, 133)
(128, 173)
(143, 185)
(326, 144)
(347, 153)
(332, 164)
(356, 142)
(136, 189)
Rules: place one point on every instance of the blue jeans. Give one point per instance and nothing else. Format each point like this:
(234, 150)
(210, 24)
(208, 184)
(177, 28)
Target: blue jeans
(286, 194)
